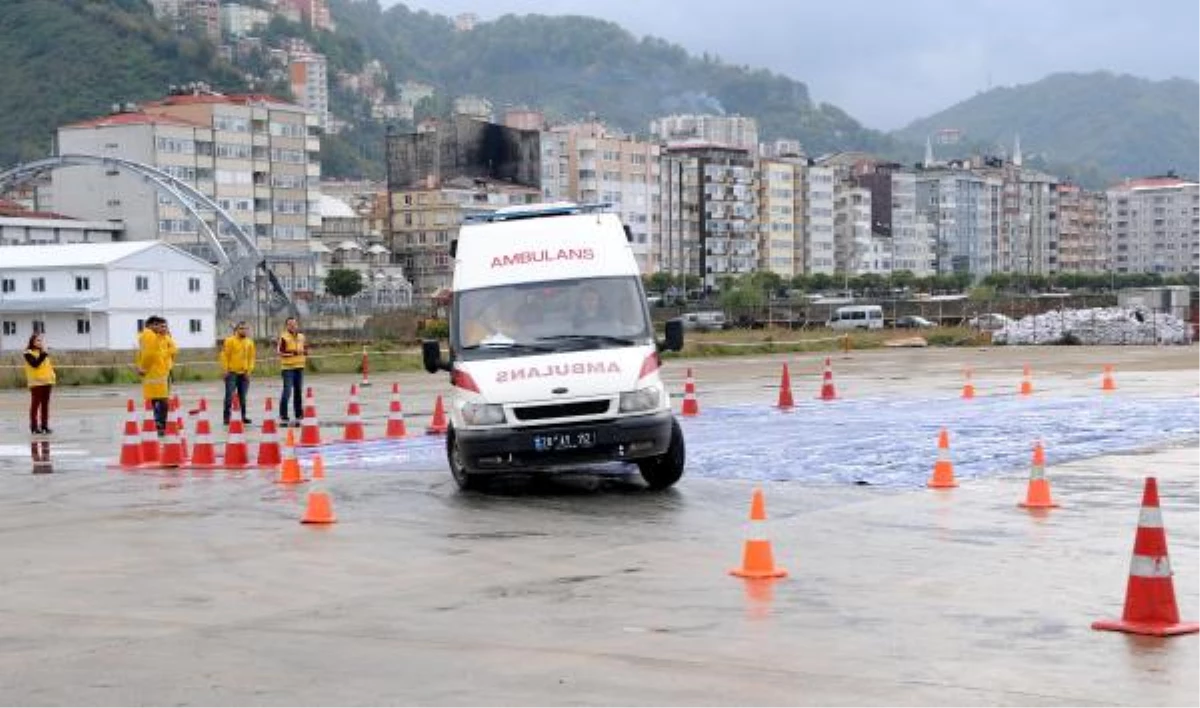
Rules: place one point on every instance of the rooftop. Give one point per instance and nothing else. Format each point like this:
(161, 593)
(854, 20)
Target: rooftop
(135, 118)
(77, 254)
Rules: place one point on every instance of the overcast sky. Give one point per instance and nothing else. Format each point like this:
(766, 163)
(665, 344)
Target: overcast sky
(888, 62)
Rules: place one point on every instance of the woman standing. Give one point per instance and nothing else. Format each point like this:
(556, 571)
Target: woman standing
(39, 376)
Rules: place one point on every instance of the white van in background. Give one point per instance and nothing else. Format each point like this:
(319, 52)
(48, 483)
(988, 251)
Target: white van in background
(553, 357)
(857, 317)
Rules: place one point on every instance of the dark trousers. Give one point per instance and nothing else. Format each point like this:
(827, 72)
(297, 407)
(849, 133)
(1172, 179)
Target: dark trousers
(39, 406)
(161, 410)
(293, 383)
(240, 383)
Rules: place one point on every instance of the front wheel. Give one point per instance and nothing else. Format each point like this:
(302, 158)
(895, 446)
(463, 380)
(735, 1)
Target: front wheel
(666, 469)
(465, 480)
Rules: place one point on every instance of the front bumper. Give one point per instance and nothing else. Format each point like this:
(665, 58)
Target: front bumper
(616, 440)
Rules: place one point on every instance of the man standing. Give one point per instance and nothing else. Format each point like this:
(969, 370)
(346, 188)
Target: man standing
(237, 363)
(292, 350)
(153, 363)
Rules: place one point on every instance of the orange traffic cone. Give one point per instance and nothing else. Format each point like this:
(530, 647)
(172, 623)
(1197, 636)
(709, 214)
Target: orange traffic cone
(785, 389)
(1150, 596)
(131, 443)
(237, 454)
(757, 559)
(353, 431)
(319, 509)
(968, 391)
(1037, 496)
(289, 472)
(1027, 382)
(690, 406)
(1108, 384)
(149, 436)
(828, 392)
(204, 453)
(395, 423)
(438, 424)
(181, 426)
(310, 429)
(318, 467)
(268, 440)
(943, 469)
(172, 453)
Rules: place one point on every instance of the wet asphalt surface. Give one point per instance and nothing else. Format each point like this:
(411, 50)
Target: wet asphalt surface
(201, 587)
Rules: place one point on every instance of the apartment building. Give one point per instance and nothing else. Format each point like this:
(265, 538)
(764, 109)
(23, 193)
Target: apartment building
(308, 76)
(203, 16)
(710, 211)
(854, 251)
(781, 216)
(1082, 237)
(819, 239)
(894, 216)
(314, 13)
(585, 163)
(238, 20)
(255, 155)
(960, 207)
(1154, 226)
(724, 131)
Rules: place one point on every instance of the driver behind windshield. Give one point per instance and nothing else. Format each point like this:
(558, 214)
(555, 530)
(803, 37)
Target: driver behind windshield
(589, 315)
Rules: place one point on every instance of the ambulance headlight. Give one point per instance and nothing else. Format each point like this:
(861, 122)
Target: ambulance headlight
(644, 399)
(482, 413)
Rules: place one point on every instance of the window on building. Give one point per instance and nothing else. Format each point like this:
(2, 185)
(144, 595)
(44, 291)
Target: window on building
(39, 285)
(142, 283)
(83, 327)
(193, 285)
(10, 328)
(194, 326)
(39, 327)
(8, 285)
(82, 284)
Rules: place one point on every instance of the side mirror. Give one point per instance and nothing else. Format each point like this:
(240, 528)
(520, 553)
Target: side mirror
(674, 339)
(431, 356)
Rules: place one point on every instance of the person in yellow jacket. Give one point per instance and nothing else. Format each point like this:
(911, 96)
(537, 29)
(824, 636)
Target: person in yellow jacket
(171, 349)
(39, 376)
(153, 363)
(237, 363)
(292, 349)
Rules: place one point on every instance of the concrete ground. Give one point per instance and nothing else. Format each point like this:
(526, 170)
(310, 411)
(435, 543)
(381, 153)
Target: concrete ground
(202, 588)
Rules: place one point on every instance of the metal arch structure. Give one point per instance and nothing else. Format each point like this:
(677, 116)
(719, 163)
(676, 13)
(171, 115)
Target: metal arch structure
(236, 285)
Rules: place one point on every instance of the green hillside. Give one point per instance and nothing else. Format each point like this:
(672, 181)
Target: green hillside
(1099, 127)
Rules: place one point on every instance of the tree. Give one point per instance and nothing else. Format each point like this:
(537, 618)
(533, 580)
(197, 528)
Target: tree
(343, 283)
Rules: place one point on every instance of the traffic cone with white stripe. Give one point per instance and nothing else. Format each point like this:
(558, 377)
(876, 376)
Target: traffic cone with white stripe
(1108, 383)
(181, 427)
(1037, 496)
(172, 454)
(289, 471)
(828, 392)
(1027, 382)
(353, 430)
(968, 391)
(268, 441)
(149, 436)
(319, 506)
(395, 424)
(690, 406)
(758, 561)
(204, 453)
(237, 454)
(438, 424)
(131, 442)
(310, 429)
(785, 389)
(1150, 596)
(943, 469)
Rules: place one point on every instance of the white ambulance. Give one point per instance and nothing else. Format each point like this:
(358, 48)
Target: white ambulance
(553, 356)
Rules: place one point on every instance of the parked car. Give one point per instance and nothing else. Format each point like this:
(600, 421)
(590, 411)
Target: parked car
(990, 322)
(704, 321)
(913, 322)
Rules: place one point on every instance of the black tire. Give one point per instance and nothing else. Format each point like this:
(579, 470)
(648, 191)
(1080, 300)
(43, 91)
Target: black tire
(464, 478)
(665, 470)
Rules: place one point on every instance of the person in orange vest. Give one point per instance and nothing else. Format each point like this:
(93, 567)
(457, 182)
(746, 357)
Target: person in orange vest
(292, 349)
(237, 363)
(40, 377)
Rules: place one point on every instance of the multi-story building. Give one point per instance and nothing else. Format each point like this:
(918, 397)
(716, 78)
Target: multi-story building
(314, 13)
(1082, 230)
(818, 221)
(473, 107)
(723, 131)
(524, 119)
(254, 155)
(1154, 225)
(894, 216)
(710, 211)
(781, 216)
(347, 240)
(309, 79)
(584, 162)
(854, 253)
(203, 16)
(20, 227)
(960, 206)
(238, 20)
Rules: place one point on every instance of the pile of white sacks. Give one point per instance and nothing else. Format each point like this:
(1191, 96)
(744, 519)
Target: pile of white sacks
(1098, 325)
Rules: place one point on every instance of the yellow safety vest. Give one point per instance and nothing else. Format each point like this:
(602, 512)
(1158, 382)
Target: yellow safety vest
(237, 355)
(40, 375)
(291, 350)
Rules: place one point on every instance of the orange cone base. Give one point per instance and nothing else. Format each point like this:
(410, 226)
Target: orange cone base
(1038, 505)
(758, 561)
(396, 432)
(689, 409)
(436, 430)
(758, 574)
(942, 484)
(355, 435)
(1152, 629)
(319, 510)
(1038, 496)
(828, 395)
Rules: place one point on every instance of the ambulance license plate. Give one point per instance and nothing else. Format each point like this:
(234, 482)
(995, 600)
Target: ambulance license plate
(575, 440)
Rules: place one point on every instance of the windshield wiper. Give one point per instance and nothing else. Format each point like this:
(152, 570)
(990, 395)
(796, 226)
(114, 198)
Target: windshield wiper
(623, 341)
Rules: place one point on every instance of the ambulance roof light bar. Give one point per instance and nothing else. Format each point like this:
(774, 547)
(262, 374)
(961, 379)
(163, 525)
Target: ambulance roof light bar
(533, 211)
